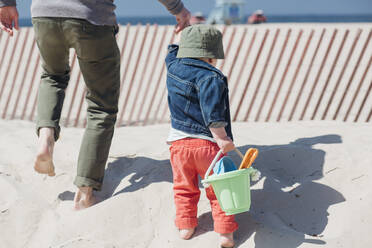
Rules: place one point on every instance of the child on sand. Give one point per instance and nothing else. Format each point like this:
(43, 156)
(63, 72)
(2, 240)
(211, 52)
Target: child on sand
(200, 116)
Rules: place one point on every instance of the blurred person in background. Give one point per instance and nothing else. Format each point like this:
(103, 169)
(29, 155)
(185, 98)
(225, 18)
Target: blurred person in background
(257, 17)
(197, 18)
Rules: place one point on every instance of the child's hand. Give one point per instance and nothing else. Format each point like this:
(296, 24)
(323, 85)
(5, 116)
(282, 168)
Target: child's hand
(225, 144)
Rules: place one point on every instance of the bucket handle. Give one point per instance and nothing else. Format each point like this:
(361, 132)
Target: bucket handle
(216, 159)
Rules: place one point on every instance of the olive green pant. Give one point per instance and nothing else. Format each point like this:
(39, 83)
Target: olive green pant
(99, 61)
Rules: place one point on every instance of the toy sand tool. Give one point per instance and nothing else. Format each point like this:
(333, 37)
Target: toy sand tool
(232, 188)
(248, 158)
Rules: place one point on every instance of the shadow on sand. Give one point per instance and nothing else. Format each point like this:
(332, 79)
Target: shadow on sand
(143, 171)
(287, 200)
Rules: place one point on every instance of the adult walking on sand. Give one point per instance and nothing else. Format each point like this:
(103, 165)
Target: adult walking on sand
(89, 27)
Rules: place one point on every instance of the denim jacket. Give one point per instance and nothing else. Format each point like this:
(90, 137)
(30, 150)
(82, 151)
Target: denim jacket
(198, 96)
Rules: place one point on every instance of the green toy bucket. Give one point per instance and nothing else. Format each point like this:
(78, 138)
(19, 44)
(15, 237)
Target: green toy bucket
(232, 188)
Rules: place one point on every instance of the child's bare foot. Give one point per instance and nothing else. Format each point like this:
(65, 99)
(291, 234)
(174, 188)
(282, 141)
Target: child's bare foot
(227, 240)
(84, 198)
(186, 233)
(44, 158)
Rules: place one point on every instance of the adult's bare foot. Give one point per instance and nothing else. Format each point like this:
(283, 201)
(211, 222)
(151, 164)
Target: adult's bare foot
(44, 157)
(227, 240)
(84, 198)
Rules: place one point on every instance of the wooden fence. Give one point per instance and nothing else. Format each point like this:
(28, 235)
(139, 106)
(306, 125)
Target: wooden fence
(277, 72)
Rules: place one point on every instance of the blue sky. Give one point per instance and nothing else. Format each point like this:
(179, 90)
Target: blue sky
(271, 7)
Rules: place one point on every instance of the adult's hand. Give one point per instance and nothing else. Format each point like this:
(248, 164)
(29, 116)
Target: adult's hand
(183, 20)
(9, 19)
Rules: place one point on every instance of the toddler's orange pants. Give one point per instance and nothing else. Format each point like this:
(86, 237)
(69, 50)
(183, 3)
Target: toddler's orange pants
(190, 158)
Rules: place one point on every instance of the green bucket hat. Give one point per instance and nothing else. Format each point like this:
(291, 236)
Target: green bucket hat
(201, 41)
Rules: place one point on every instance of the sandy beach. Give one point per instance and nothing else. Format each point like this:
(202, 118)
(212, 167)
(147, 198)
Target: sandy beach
(315, 190)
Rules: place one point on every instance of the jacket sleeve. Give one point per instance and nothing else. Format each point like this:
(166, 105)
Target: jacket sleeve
(172, 54)
(213, 93)
(5, 3)
(173, 6)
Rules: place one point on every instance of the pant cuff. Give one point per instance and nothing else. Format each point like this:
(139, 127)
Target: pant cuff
(225, 228)
(186, 223)
(87, 182)
(51, 124)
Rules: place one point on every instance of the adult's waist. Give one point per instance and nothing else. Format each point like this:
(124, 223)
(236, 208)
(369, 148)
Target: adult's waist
(100, 12)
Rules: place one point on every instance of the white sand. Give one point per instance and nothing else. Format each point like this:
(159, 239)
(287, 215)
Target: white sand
(316, 180)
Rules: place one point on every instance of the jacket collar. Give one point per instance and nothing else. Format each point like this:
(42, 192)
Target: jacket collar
(200, 63)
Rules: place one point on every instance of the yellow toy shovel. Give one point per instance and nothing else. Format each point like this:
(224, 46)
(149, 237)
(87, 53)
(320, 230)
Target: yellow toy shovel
(248, 158)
